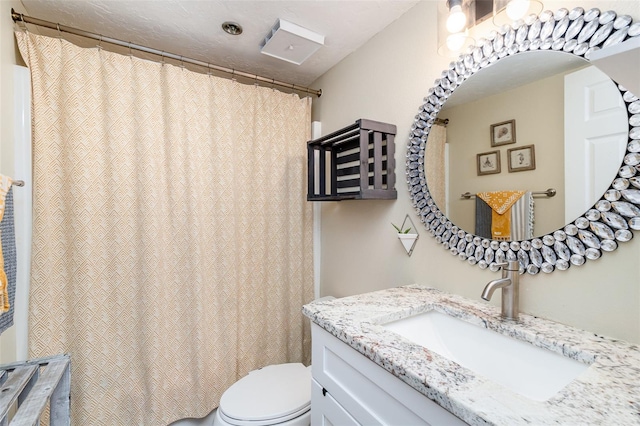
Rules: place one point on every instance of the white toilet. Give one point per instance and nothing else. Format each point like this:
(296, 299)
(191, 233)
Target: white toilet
(273, 395)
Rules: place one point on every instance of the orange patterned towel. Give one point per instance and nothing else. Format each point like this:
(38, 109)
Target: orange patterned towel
(5, 185)
(500, 203)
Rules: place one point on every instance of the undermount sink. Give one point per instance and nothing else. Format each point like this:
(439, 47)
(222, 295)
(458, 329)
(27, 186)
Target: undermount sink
(533, 372)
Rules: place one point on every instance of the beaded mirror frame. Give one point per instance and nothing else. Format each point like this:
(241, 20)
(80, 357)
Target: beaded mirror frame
(611, 220)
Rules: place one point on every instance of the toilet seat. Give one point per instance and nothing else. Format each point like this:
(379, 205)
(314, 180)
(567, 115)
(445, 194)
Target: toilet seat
(270, 395)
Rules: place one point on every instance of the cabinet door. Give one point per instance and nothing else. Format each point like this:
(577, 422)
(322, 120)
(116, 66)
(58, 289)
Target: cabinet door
(325, 409)
(367, 392)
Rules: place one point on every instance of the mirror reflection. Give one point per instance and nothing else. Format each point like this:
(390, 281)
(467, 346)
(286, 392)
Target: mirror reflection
(529, 122)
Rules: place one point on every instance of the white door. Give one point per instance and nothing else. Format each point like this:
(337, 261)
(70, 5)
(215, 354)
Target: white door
(596, 132)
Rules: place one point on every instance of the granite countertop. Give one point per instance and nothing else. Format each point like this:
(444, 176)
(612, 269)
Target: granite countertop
(607, 393)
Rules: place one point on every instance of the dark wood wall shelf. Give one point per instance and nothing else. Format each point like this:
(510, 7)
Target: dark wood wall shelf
(353, 163)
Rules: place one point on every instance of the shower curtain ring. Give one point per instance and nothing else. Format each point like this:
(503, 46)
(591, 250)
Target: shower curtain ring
(59, 32)
(182, 62)
(99, 46)
(208, 69)
(233, 75)
(20, 23)
(130, 52)
(162, 58)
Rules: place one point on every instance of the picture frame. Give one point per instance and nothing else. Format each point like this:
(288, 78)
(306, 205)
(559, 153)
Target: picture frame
(522, 158)
(488, 163)
(503, 133)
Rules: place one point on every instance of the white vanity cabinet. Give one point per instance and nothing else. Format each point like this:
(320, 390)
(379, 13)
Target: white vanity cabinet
(349, 389)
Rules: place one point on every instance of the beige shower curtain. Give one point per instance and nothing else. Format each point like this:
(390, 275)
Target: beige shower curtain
(172, 240)
(435, 166)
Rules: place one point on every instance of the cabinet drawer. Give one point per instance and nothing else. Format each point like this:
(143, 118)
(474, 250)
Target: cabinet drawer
(326, 411)
(370, 394)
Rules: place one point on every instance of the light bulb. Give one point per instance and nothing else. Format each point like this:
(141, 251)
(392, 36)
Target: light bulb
(456, 41)
(516, 9)
(456, 20)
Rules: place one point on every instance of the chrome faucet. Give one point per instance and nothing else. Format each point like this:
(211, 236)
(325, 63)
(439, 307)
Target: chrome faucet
(509, 283)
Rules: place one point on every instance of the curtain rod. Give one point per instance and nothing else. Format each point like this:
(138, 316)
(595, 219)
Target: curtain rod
(551, 192)
(62, 28)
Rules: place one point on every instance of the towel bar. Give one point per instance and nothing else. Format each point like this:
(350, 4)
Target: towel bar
(549, 193)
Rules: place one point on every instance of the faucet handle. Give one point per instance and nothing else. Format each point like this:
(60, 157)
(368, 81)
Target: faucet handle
(509, 265)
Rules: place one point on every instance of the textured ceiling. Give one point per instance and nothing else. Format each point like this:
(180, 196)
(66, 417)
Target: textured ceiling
(514, 71)
(193, 28)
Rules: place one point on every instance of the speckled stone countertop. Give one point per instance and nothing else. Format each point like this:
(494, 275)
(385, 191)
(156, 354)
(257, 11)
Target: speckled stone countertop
(607, 393)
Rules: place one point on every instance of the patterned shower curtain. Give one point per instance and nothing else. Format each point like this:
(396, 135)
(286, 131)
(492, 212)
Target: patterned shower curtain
(172, 243)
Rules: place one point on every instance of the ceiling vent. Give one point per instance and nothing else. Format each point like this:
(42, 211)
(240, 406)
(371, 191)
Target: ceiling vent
(291, 42)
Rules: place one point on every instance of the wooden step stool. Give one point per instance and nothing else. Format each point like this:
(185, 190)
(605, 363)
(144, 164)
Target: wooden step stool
(32, 384)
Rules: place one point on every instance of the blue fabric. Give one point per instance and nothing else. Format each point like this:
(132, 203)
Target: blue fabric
(7, 231)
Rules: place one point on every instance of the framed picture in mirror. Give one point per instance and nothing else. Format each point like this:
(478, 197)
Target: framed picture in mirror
(522, 158)
(488, 163)
(503, 133)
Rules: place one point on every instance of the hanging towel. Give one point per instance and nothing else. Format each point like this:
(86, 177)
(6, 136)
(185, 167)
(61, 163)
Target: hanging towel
(483, 218)
(7, 255)
(522, 218)
(501, 203)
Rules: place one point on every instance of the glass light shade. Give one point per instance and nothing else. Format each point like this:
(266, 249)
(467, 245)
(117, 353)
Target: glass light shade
(457, 20)
(455, 44)
(509, 11)
(453, 37)
(517, 9)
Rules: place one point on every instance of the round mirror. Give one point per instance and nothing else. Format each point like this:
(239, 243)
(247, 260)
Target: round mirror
(481, 95)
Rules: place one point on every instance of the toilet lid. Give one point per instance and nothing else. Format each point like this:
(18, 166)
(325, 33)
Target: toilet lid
(271, 392)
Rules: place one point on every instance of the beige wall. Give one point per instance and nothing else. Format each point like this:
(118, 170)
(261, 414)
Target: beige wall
(468, 135)
(8, 58)
(386, 80)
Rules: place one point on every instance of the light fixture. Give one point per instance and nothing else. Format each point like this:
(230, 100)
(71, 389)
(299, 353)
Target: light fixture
(508, 11)
(454, 45)
(455, 42)
(457, 19)
(291, 42)
(517, 9)
(454, 19)
(232, 28)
